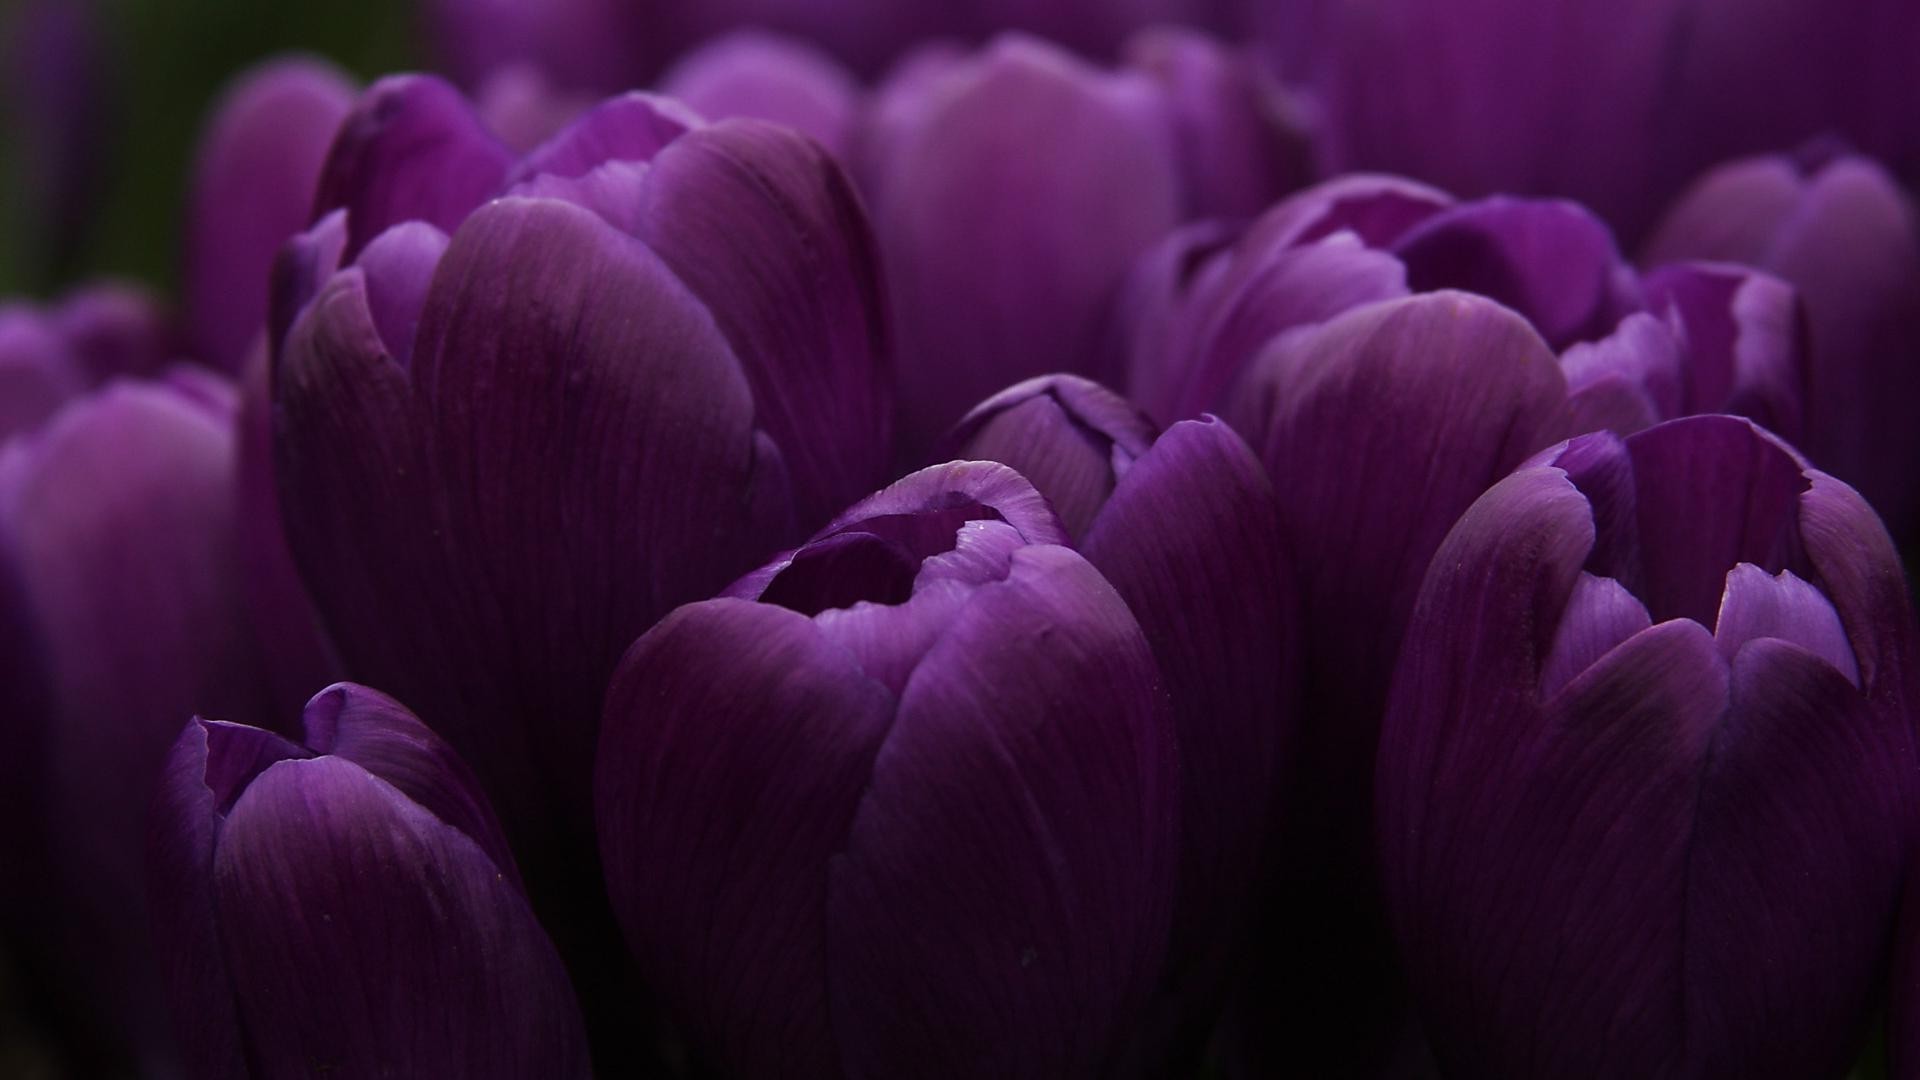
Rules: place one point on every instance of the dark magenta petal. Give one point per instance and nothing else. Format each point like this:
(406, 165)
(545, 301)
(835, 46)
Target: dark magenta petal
(304, 264)
(631, 127)
(1781, 606)
(1599, 615)
(1387, 423)
(1016, 836)
(399, 266)
(1852, 559)
(1548, 259)
(1070, 437)
(1239, 147)
(1001, 257)
(1629, 380)
(1746, 341)
(363, 935)
(765, 77)
(411, 150)
(1191, 540)
(1150, 312)
(1710, 492)
(209, 767)
(564, 375)
(1376, 208)
(381, 736)
(763, 226)
(737, 743)
(254, 182)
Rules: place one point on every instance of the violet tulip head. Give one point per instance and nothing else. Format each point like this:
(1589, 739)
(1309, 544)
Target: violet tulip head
(1648, 769)
(121, 612)
(1847, 237)
(1012, 189)
(1186, 527)
(543, 400)
(346, 903)
(1635, 350)
(253, 188)
(902, 802)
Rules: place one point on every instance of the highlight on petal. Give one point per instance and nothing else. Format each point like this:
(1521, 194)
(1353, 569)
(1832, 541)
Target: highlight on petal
(1781, 606)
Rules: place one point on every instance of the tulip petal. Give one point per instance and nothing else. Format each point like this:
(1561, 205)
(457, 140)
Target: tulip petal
(1388, 422)
(562, 368)
(1599, 615)
(1548, 259)
(716, 841)
(1710, 492)
(304, 264)
(253, 187)
(1761, 605)
(1001, 258)
(366, 936)
(381, 736)
(1854, 562)
(632, 127)
(1070, 437)
(1376, 208)
(1191, 540)
(411, 150)
(764, 227)
(38, 371)
(399, 266)
(1015, 835)
(208, 768)
(766, 77)
(1746, 348)
(1627, 381)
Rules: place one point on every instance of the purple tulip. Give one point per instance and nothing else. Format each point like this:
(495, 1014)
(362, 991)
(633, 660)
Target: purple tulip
(1481, 99)
(1846, 236)
(258, 163)
(122, 613)
(1187, 529)
(759, 76)
(347, 904)
(903, 802)
(1688, 338)
(526, 406)
(51, 355)
(1617, 842)
(1013, 188)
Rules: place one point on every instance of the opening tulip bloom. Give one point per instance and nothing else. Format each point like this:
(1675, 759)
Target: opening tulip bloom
(903, 802)
(1186, 527)
(348, 904)
(1847, 237)
(1648, 770)
(540, 401)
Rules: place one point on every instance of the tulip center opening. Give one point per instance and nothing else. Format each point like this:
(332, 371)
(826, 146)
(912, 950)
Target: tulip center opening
(876, 560)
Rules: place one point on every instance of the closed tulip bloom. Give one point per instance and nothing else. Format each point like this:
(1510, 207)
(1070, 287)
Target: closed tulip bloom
(761, 76)
(1480, 100)
(253, 187)
(1846, 236)
(1012, 189)
(1635, 350)
(903, 802)
(346, 904)
(123, 612)
(1185, 526)
(1648, 772)
(543, 400)
(52, 354)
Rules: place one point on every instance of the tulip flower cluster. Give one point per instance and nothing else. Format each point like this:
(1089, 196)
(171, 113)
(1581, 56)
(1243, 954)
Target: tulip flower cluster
(830, 553)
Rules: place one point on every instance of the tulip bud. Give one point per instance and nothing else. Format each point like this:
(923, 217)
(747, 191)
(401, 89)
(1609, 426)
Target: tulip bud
(1844, 235)
(1013, 188)
(759, 76)
(512, 437)
(124, 614)
(1187, 529)
(253, 187)
(347, 904)
(1677, 849)
(902, 802)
